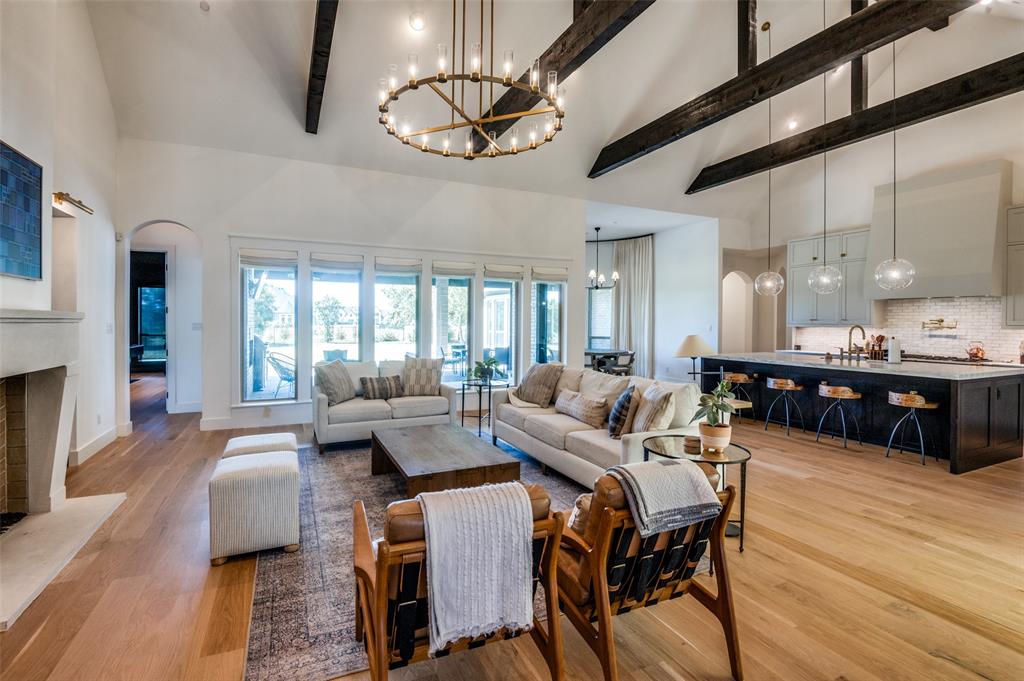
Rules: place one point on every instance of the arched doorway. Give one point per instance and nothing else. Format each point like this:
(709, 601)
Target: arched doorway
(737, 313)
(159, 320)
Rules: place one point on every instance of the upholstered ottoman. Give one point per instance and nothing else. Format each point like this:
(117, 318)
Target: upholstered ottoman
(254, 504)
(265, 442)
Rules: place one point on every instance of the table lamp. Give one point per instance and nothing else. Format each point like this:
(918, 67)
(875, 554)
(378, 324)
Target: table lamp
(693, 346)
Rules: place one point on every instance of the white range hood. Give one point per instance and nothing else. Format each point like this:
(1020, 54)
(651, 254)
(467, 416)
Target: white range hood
(951, 226)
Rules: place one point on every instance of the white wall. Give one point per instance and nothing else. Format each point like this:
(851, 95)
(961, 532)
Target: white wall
(185, 320)
(220, 193)
(687, 273)
(737, 313)
(55, 107)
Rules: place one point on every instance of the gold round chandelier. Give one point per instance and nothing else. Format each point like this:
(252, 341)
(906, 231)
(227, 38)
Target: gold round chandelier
(439, 139)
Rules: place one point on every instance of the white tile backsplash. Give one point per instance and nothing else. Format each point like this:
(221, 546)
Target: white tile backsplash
(979, 319)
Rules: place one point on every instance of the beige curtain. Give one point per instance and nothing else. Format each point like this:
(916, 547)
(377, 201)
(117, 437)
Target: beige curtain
(634, 301)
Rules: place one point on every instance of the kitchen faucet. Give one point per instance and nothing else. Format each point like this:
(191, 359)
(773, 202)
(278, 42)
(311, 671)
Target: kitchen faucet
(863, 336)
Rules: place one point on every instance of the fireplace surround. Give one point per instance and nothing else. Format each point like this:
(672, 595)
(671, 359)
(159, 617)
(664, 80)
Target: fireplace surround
(39, 355)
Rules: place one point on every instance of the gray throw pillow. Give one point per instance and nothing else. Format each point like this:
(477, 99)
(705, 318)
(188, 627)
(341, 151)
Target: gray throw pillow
(382, 387)
(538, 386)
(333, 380)
(422, 376)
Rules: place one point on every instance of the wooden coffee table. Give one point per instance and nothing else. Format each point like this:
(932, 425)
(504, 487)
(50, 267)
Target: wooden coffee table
(435, 458)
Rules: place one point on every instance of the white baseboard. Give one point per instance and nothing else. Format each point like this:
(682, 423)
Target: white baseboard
(124, 429)
(184, 407)
(78, 456)
(251, 421)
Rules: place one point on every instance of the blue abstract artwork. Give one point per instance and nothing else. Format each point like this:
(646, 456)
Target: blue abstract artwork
(21, 215)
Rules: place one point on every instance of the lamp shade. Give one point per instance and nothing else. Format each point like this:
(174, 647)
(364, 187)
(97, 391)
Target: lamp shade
(694, 346)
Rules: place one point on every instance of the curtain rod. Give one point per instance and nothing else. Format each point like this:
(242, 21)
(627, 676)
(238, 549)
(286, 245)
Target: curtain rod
(625, 238)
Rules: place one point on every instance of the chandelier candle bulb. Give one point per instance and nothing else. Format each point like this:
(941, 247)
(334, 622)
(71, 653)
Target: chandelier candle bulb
(533, 136)
(392, 80)
(446, 143)
(469, 147)
(508, 62)
(406, 129)
(474, 63)
(535, 76)
(382, 95)
(514, 142)
(414, 64)
(552, 84)
(442, 62)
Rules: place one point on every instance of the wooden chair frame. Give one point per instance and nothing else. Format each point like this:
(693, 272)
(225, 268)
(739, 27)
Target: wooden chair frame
(601, 638)
(372, 596)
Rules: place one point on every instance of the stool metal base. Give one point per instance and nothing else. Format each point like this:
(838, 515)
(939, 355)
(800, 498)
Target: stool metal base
(837, 410)
(741, 391)
(786, 400)
(901, 428)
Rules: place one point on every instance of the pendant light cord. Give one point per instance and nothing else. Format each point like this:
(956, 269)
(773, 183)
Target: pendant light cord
(893, 149)
(824, 154)
(766, 27)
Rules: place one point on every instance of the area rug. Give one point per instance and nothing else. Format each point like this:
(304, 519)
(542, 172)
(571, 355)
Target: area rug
(303, 613)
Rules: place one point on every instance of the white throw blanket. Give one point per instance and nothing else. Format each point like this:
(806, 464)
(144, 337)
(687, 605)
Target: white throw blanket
(666, 494)
(479, 561)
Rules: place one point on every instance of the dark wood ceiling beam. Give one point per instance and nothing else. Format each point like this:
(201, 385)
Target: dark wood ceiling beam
(596, 25)
(939, 25)
(999, 79)
(578, 6)
(852, 37)
(323, 35)
(858, 69)
(746, 35)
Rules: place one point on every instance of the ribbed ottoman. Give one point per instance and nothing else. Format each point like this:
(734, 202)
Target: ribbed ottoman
(254, 504)
(264, 442)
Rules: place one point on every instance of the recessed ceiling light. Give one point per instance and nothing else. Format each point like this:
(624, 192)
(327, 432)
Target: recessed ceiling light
(204, 5)
(792, 124)
(416, 21)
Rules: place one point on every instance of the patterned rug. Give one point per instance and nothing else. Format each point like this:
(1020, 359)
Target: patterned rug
(303, 613)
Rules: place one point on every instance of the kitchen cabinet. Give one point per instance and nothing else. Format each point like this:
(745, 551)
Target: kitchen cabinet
(848, 305)
(856, 306)
(1014, 298)
(1015, 225)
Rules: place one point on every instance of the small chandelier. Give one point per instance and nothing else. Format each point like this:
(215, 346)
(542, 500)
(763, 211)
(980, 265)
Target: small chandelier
(438, 139)
(769, 282)
(824, 279)
(894, 273)
(596, 279)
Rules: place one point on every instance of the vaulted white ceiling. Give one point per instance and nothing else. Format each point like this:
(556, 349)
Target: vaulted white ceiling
(235, 78)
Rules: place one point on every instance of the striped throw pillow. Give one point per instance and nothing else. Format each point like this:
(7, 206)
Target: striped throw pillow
(590, 412)
(422, 376)
(624, 408)
(334, 381)
(657, 406)
(382, 387)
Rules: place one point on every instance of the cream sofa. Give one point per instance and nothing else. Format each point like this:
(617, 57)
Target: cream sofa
(576, 449)
(352, 420)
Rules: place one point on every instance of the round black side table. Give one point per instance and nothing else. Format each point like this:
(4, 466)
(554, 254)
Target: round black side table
(481, 414)
(671, 447)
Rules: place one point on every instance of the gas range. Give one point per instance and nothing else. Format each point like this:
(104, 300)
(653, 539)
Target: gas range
(943, 359)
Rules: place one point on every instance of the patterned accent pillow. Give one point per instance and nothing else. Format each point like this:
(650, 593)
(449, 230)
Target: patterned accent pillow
(590, 412)
(628, 402)
(333, 380)
(539, 384)
(657, 406)
(422, 376)
(382, 387)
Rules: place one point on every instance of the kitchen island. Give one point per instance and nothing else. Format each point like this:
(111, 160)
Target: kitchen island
(979, 420)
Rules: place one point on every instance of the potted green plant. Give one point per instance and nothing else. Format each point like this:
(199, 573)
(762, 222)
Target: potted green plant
(484, 370)
(715, 433)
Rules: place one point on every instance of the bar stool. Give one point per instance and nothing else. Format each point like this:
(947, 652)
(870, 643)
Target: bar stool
(914, 402)
(785, 386)
(738, 382)
(838, 395)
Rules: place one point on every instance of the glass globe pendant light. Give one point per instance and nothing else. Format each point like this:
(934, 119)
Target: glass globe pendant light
(895, 273)
(824, 279)
(769, 282)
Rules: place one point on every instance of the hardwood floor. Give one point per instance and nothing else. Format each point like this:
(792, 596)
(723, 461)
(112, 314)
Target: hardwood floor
(856, 567)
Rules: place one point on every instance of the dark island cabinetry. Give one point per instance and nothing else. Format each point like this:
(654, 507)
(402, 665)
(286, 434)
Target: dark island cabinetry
(979, 420)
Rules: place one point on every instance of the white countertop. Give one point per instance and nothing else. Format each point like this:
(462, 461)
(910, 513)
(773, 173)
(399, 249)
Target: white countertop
(949, 372)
